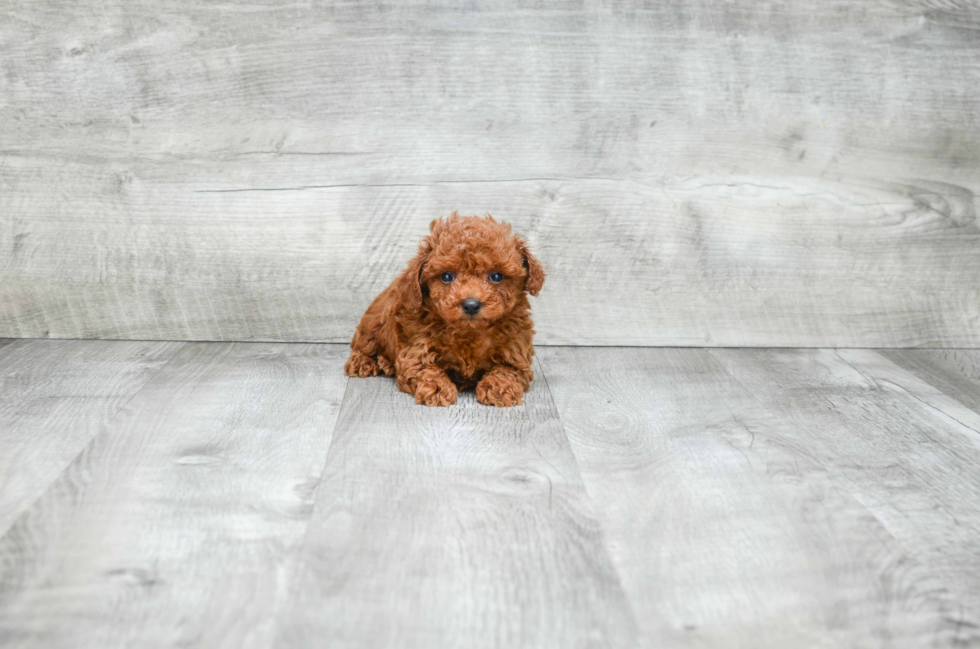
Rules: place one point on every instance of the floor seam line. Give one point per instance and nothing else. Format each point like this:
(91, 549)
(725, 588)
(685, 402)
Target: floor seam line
(295, 571)
(92, 439)
(592, 504)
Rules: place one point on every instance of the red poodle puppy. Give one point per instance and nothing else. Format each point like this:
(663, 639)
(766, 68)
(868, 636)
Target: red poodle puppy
(458, 316)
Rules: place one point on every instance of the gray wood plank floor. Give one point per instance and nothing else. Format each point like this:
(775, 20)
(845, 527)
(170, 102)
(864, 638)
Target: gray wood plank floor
(249, 495)
(56, 396)
(727, 527)
(459, 527)
(177, 524)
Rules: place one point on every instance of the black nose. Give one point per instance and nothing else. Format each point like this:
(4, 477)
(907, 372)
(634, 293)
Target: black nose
(471, 306)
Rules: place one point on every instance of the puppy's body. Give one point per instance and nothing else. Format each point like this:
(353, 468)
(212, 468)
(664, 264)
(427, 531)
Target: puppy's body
(457, 317)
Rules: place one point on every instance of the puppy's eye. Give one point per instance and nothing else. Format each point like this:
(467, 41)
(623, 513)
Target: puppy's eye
(496, 277)
(448, 277)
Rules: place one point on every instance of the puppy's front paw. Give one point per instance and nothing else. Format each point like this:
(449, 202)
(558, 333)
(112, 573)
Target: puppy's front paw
(435, 389)
(360, 365)
(497, 389)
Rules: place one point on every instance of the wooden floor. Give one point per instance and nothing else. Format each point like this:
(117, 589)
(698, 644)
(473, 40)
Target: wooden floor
(249, 495)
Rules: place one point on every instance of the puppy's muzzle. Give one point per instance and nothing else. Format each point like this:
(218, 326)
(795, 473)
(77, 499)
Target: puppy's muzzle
(471, 306)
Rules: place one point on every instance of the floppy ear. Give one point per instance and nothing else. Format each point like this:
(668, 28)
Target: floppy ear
(410, 283)
(535, 271)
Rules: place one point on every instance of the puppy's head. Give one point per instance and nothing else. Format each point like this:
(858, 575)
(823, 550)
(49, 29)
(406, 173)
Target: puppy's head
(471, 271)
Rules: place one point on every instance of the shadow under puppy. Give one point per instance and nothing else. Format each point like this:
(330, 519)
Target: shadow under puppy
(458, 316)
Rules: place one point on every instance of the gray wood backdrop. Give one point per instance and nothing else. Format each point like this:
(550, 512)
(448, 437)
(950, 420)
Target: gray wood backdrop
(691, 173)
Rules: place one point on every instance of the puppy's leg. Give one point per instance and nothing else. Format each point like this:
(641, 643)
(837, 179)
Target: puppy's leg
(434, 388)
(360, 365)
(418, 375)
(504, 385)
(363, 349)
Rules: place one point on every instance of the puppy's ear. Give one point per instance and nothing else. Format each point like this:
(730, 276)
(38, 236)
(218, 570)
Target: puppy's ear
(535, 271)
(410, 283)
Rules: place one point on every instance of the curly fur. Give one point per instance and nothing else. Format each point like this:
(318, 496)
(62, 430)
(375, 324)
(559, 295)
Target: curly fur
(416, 330)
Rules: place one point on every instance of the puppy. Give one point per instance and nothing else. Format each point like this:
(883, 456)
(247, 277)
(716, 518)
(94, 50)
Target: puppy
(457, 317)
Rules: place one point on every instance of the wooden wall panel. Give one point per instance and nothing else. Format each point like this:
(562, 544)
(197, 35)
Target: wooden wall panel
(785, 174)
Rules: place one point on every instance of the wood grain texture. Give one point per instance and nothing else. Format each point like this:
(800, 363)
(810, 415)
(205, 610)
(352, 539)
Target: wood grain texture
(459, 527)
(727, 528)
(908, 462)
(883, 371)
(177, 525)
(954, 372)
(785, 173)
(55, 396)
